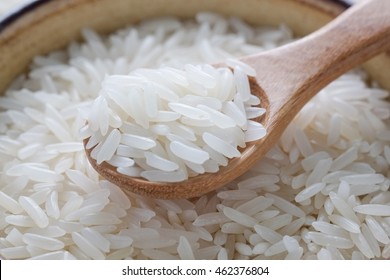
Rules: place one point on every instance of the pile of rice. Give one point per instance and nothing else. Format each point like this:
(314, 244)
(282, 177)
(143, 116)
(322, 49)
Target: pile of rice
(321, 193)
(168, 124)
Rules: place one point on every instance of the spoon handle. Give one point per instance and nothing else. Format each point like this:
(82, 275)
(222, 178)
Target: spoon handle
(297, 71)
(358, 34)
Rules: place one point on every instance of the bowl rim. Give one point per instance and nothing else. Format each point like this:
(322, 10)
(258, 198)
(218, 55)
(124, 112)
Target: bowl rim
(20, 10)
(25, 8)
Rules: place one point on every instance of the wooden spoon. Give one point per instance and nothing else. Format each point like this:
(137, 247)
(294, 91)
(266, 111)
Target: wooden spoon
(287, 78)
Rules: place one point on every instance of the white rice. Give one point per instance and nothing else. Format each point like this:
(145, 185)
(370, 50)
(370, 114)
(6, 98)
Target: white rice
(322, 192)
(44, 242)
(373, 209)
(34, 211)
(179, 146)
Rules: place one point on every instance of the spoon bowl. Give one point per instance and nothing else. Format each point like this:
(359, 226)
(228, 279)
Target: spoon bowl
(287, 78)
(197, 185)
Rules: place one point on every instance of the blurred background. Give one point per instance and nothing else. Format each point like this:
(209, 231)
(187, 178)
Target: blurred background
(7, 5)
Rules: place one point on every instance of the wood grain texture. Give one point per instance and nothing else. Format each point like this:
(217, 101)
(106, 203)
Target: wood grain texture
(287, 78)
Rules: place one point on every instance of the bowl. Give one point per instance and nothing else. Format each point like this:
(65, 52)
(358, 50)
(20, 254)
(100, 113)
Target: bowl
(44, 26)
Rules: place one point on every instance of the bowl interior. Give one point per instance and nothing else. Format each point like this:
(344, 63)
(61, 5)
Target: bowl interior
(49, 25)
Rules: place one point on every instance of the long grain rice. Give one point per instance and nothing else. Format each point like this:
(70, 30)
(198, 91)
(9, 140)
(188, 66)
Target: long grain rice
(322, 192)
